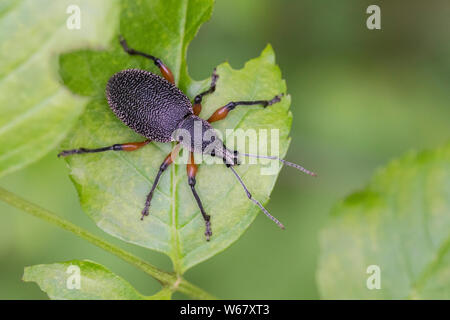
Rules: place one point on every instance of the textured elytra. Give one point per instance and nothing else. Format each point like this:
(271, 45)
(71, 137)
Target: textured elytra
(147, 103)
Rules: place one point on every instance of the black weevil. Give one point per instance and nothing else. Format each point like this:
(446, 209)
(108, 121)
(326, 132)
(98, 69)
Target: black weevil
(156, 109)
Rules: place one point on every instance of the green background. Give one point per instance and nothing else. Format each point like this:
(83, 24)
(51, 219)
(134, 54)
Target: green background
(359, 99)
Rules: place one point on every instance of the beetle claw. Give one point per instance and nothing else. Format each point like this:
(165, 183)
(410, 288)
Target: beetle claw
(144, 213)
(66, 153)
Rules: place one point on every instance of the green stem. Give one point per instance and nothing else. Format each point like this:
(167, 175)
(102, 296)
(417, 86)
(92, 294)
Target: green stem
(166, 278)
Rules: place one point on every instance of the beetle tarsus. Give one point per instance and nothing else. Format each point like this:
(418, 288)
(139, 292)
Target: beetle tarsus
(144, 212)
(66, 153)
(129, 146)
(197, 107)
(123, 43)
(276, 99)
(211, 89)
(208, 232)
(214, 78)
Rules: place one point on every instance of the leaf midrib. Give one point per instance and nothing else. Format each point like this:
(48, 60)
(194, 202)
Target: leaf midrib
(176, 251)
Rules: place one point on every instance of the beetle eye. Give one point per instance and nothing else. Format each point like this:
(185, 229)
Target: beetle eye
(198, 99)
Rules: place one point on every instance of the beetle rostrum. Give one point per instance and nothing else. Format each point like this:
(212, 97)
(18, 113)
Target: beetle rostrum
(156, 109)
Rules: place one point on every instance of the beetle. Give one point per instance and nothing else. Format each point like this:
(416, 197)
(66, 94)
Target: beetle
(155, 108)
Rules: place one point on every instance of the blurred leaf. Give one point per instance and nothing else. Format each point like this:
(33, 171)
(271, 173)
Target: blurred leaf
(401, 223)
(36, 112)
(113, 186)
(96, 282)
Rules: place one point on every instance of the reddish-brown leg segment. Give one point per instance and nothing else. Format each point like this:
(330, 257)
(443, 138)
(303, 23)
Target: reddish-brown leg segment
(191, 169)
(222, 112)
(197, 107)
(165, 71)
(164, 165)
(130, 146)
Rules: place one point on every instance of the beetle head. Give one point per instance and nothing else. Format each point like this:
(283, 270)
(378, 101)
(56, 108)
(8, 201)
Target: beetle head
(199, 136)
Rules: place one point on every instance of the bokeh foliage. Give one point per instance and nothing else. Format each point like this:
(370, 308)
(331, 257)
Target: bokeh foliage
(36, 111)
(400, 222)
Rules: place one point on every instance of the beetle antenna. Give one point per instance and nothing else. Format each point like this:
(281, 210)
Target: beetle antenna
(249, 195)
(290, 164)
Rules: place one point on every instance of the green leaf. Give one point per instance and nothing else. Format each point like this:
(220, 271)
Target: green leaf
(96, 282)
(36, 111)
(113, 186)
(401, 223)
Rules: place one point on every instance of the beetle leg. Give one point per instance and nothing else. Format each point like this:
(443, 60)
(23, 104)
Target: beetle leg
(198, 98)
(191, 169)
(164, 165)
(130, 146)
(222, 112)
(167, 74)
